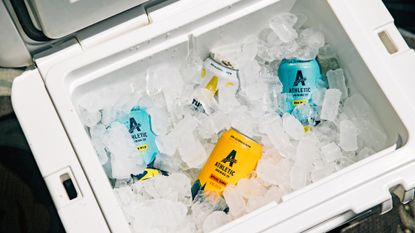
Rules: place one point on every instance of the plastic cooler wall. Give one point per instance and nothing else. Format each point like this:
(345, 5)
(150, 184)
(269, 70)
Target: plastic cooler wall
(226, 26)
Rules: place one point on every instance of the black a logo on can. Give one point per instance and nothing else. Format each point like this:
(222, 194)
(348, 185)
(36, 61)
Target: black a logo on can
(231, 158)
(300, 79)
(134, 125)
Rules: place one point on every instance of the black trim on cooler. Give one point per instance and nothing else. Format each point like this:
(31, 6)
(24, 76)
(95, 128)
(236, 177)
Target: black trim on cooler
(23, 16)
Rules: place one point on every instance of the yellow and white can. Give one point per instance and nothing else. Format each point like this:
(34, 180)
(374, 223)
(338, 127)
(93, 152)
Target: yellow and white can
(234, 157)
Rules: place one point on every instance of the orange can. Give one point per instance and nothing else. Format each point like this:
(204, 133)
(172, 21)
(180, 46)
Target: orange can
(234, 157)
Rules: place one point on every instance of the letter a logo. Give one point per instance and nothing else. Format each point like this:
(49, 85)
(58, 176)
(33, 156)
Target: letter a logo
(134, 125)
(230, 158)
(300, 79)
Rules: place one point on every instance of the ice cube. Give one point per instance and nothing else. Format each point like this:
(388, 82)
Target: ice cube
(264, 52)
(98, 137)
(234, 200)
(227, 99)
(249, 74)
(348, 136)
(298, 177)
(189, 147)
(167, 79)
(268, 36)
(254, 203)
(220, 121)
(158, 213)
(168, 163)
(255, 91)
(361, 113)
(192, 151)
(284, 102)
(344, 162)
(175, 187)
(167, 144)
(292, 126)
(301, 20)
(249, 50)
(243, 122)
(273, 194)
(109, 115)
(206, 129)
(250, 188)
(312, 38)
(124, 194)
(306, 53)
(282, 25)
(288, 50)
(307, 152)
(338, 81)
(214, 220)
(274, 130)
(124, 157)
(317, 96)
(327, 52)
(306, 114)
(159, 121)
(89, 117)
(204, 101)
(321, 173)
(331, 104)
(154, 85)
(273, 172)
(331, 152)
(227, 52)
(364, 153)
(185, 126)
(190, 70)
(204, 204)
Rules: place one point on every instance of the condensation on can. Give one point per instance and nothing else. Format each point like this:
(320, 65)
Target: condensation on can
(234, 157)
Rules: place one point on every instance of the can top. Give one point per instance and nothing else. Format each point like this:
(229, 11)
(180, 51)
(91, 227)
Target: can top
(243, 139)
(297, 61)
(221, 61)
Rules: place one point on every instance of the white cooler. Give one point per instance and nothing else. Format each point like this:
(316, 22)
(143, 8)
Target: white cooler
(378, 62)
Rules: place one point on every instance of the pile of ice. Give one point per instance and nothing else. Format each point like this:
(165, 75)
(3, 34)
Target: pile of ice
(292, 158)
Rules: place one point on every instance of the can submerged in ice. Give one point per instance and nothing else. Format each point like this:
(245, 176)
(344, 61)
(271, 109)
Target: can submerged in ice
(148, 173)
(214, 76)
(234, 157)
(138, 123)
(299, 79)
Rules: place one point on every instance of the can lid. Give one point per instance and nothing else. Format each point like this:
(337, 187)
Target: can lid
(222, 61)
(297, 60)
(244, 135)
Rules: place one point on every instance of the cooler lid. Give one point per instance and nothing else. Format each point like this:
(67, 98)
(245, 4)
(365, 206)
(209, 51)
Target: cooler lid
(57, 19)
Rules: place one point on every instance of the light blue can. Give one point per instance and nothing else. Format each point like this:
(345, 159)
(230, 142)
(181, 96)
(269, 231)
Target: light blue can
(138, 123)
(299, 79)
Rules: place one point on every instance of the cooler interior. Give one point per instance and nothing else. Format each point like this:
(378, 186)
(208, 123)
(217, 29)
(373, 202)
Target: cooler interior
(213, 30)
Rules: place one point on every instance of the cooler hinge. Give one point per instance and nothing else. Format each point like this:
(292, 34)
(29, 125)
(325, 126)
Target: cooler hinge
(130, 20)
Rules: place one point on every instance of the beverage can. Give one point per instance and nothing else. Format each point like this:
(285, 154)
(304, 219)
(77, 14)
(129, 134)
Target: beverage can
(138, 123)
(148, 173)
(234, 157)
(214, 76)
(299, 79)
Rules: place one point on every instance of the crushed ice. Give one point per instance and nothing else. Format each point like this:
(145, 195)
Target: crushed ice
(348, 130)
